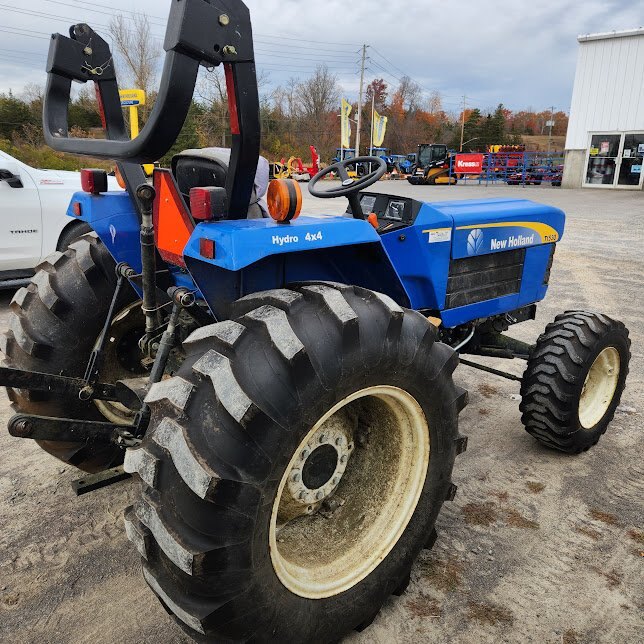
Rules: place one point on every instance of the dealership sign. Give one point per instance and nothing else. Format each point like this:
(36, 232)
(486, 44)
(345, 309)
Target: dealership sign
(468, 163)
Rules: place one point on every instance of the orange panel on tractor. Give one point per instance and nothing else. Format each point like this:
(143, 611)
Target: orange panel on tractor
(173, 224)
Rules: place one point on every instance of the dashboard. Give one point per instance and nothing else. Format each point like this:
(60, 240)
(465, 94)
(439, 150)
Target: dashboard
(390, 209)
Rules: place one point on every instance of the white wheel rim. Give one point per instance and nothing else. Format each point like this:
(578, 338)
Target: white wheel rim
(113, 411)
(317, 556)
(599, 388)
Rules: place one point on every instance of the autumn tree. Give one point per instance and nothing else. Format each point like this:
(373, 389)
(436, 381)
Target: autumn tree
(376, 92)
(137, 53)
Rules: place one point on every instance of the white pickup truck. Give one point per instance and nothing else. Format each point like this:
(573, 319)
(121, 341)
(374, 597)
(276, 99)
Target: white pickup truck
(33, 219)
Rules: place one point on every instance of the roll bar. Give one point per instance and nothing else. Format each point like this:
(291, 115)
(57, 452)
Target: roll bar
(198, 33)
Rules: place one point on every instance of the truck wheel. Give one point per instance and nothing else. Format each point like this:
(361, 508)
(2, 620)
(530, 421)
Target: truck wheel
(54, 325)
(574, 380)
(295, 465)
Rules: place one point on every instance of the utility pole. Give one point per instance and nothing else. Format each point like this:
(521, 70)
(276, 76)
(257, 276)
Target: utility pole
(364, 58)
(462, 123)
(551, 122)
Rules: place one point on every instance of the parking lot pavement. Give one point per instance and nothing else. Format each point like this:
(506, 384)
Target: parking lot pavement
(537, 547)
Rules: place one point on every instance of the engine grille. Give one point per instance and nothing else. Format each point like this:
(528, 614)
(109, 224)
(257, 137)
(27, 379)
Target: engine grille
(484, 277)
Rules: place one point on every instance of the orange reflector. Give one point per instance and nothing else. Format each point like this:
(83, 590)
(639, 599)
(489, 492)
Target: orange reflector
(373, 220)
(173, 224)
(77, 209)
(119, 178)
(284, 199)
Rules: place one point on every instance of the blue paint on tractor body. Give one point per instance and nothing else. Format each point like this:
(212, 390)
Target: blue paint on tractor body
(410, 264)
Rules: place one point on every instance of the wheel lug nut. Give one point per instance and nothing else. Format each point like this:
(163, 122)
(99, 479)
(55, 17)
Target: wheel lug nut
(338, 441)
(322, 438)
(343, 458)
(296, 477)
(319, 495)
(305, 453)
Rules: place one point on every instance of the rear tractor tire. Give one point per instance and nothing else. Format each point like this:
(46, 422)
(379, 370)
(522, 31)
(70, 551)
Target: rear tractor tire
(574, 380)
(54, 325)
(295, 465)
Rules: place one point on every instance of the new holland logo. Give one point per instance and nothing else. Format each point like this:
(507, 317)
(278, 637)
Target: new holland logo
(475, 241)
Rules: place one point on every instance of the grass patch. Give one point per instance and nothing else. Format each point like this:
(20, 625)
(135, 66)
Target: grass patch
(571, 636)
(637, 536)
(10, 599)
(423, 606)
(589, 532)
(489, 613)
(480, 513)
(515, 519)
(445, 575)
(488, 390)
(501, 495)
(535, 487)
(613, 578)
(604, 517)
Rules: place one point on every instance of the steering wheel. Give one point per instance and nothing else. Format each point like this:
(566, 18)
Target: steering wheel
(350, 187)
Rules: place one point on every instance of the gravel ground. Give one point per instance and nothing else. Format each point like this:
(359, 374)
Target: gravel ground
(537, 546)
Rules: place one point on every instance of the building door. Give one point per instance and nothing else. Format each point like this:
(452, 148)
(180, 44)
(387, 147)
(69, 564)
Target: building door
(615, 160)
(603, 159)
(630, 165)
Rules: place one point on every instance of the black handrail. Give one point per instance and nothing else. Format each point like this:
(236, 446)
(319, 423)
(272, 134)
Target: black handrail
(198, 33)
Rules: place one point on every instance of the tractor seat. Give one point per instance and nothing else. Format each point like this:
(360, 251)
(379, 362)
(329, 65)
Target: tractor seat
(208, 167)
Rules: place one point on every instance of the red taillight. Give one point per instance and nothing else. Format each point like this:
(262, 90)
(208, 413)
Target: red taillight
(208, 203)
(94, 181)
(207, 248)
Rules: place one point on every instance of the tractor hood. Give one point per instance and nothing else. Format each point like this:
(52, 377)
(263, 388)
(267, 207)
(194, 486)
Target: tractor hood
(489, 226)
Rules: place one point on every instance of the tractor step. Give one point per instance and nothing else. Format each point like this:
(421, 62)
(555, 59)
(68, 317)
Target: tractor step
(93, 482)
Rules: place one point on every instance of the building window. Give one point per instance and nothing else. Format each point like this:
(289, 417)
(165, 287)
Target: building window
(615, 160)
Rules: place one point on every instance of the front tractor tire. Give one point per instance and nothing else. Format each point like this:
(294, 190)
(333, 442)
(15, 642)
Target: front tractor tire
(54, 324)
(295, 465)
(574, 380)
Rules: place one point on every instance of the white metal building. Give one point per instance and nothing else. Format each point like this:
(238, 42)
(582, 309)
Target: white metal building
(605, 140)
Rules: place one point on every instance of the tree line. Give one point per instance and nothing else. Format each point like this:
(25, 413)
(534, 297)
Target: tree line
(294, 115)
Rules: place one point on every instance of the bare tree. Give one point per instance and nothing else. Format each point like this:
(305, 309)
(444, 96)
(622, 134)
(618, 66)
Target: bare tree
(320, 94)
(410, 93)
(137, 50)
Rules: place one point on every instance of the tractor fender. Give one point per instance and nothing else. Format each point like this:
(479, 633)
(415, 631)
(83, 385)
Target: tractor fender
(230, 259)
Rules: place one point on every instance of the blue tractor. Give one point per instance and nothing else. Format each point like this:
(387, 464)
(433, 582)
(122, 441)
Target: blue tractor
(281, 385)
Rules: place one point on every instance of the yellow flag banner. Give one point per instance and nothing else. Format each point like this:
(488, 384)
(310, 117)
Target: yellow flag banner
(379, 128)
(345, 124)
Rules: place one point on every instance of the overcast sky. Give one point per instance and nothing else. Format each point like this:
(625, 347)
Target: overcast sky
(518, 52)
